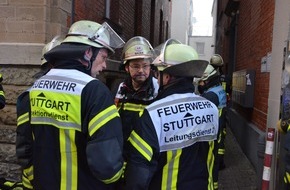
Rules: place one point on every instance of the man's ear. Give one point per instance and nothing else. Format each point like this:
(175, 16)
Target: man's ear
(127, 68)
(166, 78)
(88, 54)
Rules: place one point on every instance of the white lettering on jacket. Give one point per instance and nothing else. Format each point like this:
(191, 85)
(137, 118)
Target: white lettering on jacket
(54, 84)
(180, 120)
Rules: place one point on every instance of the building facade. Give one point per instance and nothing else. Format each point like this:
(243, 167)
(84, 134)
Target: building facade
(181, 17)
(26, 26)
(202, 36)
(252, 37)
(191, 29)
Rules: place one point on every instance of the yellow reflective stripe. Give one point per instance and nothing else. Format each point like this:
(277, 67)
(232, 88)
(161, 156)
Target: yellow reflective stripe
(220, 111)
(68, 152)
(9, 183)
(29, 173)
(27, 177)
(219, 138)
(114, 178)
(141, 113)
(133, 107)
(102, 118)
(221, 151)
(288, 128)
(224, 131)
(142, 147)
(215, 185)
(224, 85)
(2, 93)
(210, 164)
(23, 118)
(124, 167)
(287, 177)
(26, 183)
(175, 168)
(170, 170)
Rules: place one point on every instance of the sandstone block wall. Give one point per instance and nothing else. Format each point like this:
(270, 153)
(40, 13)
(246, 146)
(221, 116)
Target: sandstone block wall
(16, 80)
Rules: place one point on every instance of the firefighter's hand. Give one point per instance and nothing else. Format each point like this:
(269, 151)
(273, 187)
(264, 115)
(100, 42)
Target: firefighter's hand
(282, 126)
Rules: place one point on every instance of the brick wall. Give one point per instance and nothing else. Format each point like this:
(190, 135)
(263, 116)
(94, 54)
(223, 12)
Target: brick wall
(255, 27)
(125, 13)
(90, 10)
(25, 26)
(146, 15)
(254, 41)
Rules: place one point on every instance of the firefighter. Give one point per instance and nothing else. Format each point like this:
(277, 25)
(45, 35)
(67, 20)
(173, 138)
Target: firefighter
(2, 94)
(27, 172)
(69, 129)
(211, 88)
(217, 62)
(171, 145)
(45, 66)
(140, 87)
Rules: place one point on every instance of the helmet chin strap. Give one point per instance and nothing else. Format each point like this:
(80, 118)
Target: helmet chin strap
(88, 60)
(93, 58)
(89, 65)
(160, 81)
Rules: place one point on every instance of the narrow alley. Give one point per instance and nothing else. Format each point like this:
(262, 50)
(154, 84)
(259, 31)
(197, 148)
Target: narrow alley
(239, 173)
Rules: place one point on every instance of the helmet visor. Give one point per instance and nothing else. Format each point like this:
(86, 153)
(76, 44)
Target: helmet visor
(159, 52)
(107, 37)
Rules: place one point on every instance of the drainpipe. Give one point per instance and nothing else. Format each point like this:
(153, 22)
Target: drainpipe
(236, 34)
(107, 7)
(72, 12)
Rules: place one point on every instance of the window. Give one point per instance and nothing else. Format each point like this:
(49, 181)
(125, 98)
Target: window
(200, 48)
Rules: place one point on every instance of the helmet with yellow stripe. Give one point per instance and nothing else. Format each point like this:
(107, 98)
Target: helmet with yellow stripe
(178, 59)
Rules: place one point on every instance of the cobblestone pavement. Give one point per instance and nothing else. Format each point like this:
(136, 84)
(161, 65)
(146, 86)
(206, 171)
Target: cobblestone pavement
(239, 173)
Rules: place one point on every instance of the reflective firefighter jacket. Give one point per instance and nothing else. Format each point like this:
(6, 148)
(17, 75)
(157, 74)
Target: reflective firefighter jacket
(217, 95)
(172, 142)
(69, 133)
(213, 93)
(130, 102)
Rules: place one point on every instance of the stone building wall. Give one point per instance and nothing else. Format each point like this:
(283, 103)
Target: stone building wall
(16, 80)
(25, 26)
